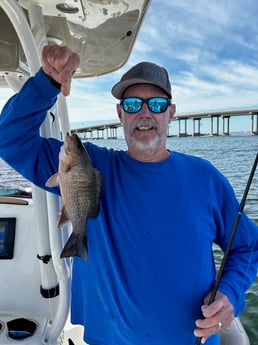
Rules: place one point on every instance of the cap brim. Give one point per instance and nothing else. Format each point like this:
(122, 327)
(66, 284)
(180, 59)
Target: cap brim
(120, 87)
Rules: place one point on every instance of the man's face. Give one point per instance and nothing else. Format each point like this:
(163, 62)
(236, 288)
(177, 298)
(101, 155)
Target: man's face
(146, 131)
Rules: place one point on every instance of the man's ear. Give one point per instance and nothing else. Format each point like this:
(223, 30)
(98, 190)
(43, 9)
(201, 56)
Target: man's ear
(172, 111)
(119, 112)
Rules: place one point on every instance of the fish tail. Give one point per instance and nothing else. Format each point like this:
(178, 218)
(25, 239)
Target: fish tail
(76, 246)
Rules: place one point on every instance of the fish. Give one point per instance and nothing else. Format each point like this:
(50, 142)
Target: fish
(80, 186)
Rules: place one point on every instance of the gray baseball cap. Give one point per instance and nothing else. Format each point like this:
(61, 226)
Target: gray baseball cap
(143, 73)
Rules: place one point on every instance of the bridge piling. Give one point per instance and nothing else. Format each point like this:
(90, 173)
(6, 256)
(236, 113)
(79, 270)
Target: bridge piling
(184, 133)
(216, 132)
(225, 128)
(198, 132)
(254, 124)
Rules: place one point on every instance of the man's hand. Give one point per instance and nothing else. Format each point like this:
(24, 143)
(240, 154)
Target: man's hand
(60, 64)
(217, 316)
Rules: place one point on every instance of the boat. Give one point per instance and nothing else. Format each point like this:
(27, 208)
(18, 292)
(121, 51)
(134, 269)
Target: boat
(35, 282)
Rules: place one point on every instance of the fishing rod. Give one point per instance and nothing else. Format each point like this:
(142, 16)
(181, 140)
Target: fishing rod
(233, 232)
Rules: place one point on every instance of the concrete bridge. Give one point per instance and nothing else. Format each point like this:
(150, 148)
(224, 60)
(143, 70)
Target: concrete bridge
(109, 130)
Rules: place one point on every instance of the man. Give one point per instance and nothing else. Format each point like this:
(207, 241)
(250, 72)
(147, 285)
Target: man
(150, 263)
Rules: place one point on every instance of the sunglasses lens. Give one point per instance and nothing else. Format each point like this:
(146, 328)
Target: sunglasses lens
(132, 104)
(158, 104)
(155, 104)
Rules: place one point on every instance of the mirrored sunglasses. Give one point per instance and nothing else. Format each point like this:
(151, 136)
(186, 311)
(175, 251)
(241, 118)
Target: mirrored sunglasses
(156, 105)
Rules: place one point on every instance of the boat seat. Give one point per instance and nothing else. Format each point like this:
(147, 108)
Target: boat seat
(13, 200)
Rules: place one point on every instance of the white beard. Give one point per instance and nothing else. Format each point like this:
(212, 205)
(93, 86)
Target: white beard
(150, 146)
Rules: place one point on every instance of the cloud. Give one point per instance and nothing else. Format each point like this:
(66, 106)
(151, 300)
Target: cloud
(209, 49)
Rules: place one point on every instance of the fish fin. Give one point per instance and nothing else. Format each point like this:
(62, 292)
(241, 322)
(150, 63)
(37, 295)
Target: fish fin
(53, 181)
(64, 217)
(76, 246)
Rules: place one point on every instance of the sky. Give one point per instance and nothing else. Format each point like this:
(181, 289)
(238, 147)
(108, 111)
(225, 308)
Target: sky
(210, 49)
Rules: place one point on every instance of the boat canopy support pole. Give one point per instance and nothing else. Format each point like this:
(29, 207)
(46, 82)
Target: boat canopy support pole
(57, 271)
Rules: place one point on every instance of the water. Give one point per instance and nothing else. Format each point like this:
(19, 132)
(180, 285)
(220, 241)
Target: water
(233, 156)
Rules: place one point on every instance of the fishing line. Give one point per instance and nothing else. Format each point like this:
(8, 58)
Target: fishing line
(233, 232)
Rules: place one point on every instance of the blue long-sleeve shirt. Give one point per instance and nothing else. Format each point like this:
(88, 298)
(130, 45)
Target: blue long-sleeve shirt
(150, 249)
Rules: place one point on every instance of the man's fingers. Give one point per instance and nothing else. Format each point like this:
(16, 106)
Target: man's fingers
(207, 328)
(217, 316)
(65, 87)
(55, 57)
(212, 309)
(60, 63)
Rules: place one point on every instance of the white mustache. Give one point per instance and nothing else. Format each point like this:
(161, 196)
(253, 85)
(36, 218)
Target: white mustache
(144, 124)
